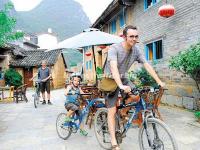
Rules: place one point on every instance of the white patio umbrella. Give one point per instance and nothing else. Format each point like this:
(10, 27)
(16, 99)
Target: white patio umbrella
(89, 37)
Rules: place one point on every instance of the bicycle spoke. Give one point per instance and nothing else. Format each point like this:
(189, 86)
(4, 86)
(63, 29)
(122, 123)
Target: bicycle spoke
(159, 136)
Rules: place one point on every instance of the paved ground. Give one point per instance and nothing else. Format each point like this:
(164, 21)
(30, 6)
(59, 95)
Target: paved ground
(22, 127)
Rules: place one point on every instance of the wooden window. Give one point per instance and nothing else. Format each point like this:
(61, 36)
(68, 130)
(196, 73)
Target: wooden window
(1, 74)
(154, 50)
(90, 64)
(87, 65)
(149, 3)
(122, 20)
(113, 26)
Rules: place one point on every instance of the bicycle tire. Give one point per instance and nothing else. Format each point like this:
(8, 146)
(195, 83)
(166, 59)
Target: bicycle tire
(101, 128)
(158, 144)
(36, 101)
(60, 126)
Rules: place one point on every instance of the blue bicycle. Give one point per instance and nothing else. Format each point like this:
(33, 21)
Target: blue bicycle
(154, 134)
(65, 129)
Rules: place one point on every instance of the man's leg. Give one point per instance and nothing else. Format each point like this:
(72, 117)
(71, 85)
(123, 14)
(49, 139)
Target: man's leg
(111, 124)
(42, 86)
(48, 91)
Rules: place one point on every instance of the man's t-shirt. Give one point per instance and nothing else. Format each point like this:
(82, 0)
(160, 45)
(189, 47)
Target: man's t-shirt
(43, 73)
(124, 59)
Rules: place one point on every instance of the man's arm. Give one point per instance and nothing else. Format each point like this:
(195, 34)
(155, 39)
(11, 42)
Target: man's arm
(115, 72)
(152, 72)
(47, 78)
(33, 77)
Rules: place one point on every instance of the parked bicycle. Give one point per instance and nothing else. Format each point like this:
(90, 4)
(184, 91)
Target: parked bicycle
(36, 95)
(65, 129)
(153, 133)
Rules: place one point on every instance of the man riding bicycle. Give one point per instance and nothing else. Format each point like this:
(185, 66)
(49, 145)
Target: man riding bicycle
(120, 58)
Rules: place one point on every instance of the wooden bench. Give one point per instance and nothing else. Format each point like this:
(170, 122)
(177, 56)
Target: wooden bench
(20, 93)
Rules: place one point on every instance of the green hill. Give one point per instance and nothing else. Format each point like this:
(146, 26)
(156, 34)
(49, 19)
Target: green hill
(65, 17)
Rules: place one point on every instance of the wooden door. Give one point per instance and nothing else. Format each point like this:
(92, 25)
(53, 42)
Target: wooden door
(28, 74)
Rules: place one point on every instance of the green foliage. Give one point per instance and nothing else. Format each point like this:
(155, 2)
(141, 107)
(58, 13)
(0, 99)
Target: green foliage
(99, 72)
(7, 24)
(142, 78)
(187, 61)
(62, 23)
(12, 77)
(197, 114)
(145, 78)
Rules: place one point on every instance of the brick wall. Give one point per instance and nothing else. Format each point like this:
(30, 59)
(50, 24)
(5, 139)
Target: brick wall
(178, 33)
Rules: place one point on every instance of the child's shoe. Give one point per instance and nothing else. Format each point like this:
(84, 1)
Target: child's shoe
(83, 132)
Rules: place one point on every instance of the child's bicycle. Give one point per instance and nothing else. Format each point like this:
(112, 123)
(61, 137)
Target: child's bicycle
(65, 129)
(36, 95)
(153, 134)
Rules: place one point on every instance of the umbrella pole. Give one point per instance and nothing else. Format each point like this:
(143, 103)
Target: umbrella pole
(94, 65)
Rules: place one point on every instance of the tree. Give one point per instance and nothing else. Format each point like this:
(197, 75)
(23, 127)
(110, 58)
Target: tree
(188, 62)
(7, 24)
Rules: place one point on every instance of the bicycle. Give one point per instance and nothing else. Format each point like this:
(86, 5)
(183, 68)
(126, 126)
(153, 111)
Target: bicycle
(65, 129)
(140, 114)
(36, 95)
(92, 110)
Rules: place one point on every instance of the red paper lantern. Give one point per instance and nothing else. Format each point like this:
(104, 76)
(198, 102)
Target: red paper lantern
(88, 54)
(166, 10)
(102, 46)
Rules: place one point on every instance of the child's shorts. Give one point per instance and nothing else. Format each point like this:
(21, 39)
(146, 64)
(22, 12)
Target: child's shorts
(72, 106)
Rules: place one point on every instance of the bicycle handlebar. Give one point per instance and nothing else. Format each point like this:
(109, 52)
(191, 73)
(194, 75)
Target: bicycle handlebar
(80, 94)
(136, 91)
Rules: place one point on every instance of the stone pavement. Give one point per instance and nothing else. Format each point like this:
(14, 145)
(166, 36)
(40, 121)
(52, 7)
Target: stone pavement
(22, 127)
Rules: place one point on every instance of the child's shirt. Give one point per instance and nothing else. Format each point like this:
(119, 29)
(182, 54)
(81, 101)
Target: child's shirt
(73, 96)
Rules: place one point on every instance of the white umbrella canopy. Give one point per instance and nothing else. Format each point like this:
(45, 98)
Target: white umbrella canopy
(89, 37)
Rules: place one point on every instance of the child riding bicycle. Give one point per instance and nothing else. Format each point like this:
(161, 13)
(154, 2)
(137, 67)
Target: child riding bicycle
(72, 103)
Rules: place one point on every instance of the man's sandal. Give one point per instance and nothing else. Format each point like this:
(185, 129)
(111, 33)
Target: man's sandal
(115, 147)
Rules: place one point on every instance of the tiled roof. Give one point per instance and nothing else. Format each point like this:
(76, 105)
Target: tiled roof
(35, 57)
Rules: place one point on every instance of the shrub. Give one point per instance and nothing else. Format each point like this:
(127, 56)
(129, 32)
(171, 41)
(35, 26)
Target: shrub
(188, 62)
(142, 78)
(145, 78)
(99, 72)
(197, 114)
(13, 78)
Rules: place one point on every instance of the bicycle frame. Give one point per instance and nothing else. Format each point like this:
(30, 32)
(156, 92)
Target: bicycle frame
(84, 111)
(139, 106)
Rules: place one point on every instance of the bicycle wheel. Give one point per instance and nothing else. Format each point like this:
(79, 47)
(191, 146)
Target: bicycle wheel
(160, 136)
(101, 128)
(63, 131)
(36, 101)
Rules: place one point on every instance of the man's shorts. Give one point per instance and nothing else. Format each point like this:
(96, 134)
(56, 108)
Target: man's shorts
(45, 86)
(111, 98)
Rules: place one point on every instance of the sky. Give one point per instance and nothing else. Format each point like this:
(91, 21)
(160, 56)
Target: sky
(93, 8)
